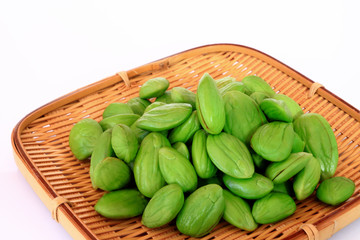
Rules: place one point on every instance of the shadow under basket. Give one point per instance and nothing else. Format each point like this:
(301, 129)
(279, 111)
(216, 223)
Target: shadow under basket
(42, 153)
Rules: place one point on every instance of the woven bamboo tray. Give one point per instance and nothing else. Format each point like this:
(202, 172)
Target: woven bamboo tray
(42, 153)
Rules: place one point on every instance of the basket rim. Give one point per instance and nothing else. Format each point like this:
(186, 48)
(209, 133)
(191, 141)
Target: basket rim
(151, 66)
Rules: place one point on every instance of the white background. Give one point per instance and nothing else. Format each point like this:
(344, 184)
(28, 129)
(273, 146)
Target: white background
(50, 48)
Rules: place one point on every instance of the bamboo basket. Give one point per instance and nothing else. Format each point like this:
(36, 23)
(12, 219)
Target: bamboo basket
(42, 153)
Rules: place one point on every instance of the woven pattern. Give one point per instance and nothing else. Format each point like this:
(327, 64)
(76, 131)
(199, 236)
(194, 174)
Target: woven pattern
(45, 142)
